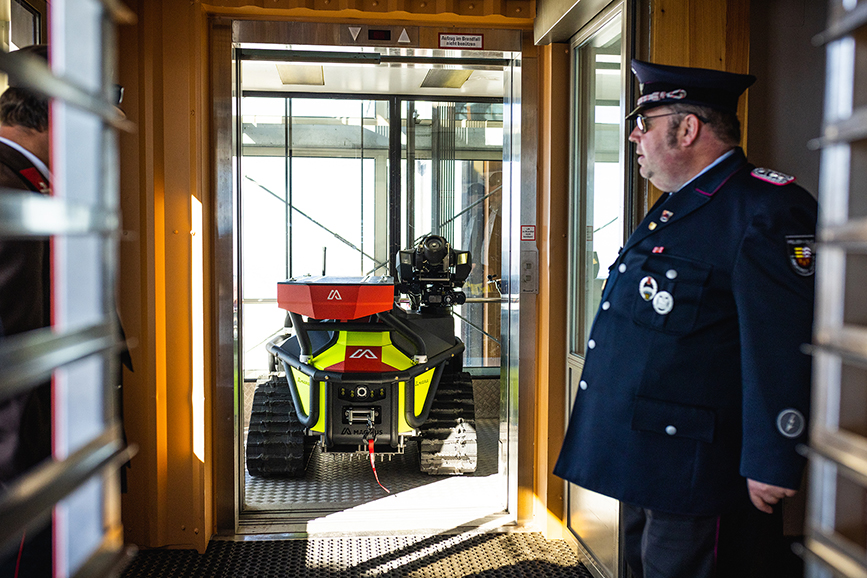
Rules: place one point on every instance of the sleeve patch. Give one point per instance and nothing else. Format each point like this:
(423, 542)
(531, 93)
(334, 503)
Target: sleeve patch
(791, 423)
(801, 250)
(773, 177)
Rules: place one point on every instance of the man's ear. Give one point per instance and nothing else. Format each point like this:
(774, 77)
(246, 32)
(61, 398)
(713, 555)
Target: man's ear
(690, 127)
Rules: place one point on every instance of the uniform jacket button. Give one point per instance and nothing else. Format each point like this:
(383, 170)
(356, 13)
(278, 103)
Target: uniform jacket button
(671, 273)
(582, 384)
(622, 268)
(670, 430)
(591, 344)
(605, 306)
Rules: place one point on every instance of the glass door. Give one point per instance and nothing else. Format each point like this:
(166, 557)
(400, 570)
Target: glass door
(596, 233)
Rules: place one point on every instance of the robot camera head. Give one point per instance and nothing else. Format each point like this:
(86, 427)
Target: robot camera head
(431, 272)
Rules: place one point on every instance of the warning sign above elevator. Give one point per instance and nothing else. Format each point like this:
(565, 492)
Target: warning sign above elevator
(462, 41)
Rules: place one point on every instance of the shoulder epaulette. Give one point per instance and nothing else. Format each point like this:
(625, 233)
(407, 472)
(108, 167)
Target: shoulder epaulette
(772, 176)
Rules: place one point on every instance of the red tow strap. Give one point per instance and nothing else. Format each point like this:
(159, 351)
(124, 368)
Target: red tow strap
(373, 465)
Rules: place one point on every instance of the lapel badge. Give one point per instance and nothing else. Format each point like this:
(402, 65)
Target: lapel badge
(658, 249)
(652, 225)
(647, 288)
(801, 254)
(663, 302)
(666, 215)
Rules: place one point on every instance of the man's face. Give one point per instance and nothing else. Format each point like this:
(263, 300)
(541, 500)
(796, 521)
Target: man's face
(658, 157)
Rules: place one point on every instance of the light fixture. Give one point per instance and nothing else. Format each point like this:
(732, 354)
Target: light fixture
(306, 74)
(445, 78)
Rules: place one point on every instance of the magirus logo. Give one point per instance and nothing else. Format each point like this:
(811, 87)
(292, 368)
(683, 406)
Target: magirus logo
(363, 354)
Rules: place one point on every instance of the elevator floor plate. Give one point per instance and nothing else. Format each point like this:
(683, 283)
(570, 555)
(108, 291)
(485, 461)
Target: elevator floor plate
(340, 497)
(341, 481)
(491, 555)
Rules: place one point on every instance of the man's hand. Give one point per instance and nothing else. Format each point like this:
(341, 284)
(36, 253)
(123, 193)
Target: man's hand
(764, 496)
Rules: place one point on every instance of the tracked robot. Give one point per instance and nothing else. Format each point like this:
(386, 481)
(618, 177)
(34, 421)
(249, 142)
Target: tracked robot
(357, 373)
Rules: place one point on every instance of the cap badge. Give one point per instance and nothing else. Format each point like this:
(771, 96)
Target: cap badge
(773, 177)
(666, 215)
(801, 254)
(663, 302)
(791, 423)
(647, 288)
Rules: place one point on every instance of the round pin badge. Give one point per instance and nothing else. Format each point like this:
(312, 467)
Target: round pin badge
(647, 288)
(663, 302)
(791, 423)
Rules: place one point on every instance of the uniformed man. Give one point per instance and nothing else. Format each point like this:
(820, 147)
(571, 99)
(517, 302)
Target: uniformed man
(25, 426)
(695, 391)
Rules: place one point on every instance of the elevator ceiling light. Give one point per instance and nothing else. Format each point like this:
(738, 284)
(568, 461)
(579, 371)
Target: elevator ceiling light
(307, 74)
(445, 78)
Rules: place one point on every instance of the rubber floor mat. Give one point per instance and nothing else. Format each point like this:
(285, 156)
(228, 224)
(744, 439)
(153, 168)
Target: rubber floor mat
(489, 555)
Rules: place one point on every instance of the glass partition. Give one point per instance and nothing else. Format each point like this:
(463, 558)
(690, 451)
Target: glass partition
(316, 199)
(452, 186)
(596, 233)
(598, 178)
(313, 195)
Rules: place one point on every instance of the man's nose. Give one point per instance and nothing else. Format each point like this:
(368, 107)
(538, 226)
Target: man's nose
(635, 135)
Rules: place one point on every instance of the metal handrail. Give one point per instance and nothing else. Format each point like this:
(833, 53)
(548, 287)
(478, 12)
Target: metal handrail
(847, 341)
(30, 71)
(855, 19)
(852, 466)
(486, 300)
(851, 129)
(833, 557)
(24, 214)
(30, 500)
(28, 358)
(120, 13)
(107, 562)
(852, 234)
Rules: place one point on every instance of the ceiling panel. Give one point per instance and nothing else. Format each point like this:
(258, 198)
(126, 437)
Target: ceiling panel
(403, 79)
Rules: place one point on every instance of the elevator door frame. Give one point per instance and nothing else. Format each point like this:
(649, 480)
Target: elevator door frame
(228, 391)
(594, 521)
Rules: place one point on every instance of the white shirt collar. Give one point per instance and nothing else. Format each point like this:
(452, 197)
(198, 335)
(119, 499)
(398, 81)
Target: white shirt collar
(30, 157)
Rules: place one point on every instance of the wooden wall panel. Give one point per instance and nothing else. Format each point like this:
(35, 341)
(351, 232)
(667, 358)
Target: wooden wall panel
(701, 33)
(163, 167)
(553, 225)
(670, 31)
(492, 12)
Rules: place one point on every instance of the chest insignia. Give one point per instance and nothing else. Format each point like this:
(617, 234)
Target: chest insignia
(773, 177)
(801, 254)
(666, 215)
(35, 178)
(663, 302)
(647, 288)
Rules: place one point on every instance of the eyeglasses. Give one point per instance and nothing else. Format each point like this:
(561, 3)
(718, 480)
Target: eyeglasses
(641, 120)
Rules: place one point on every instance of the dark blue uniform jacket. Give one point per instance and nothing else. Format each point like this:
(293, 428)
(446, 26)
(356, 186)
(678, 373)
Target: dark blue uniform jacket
(694, 378)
